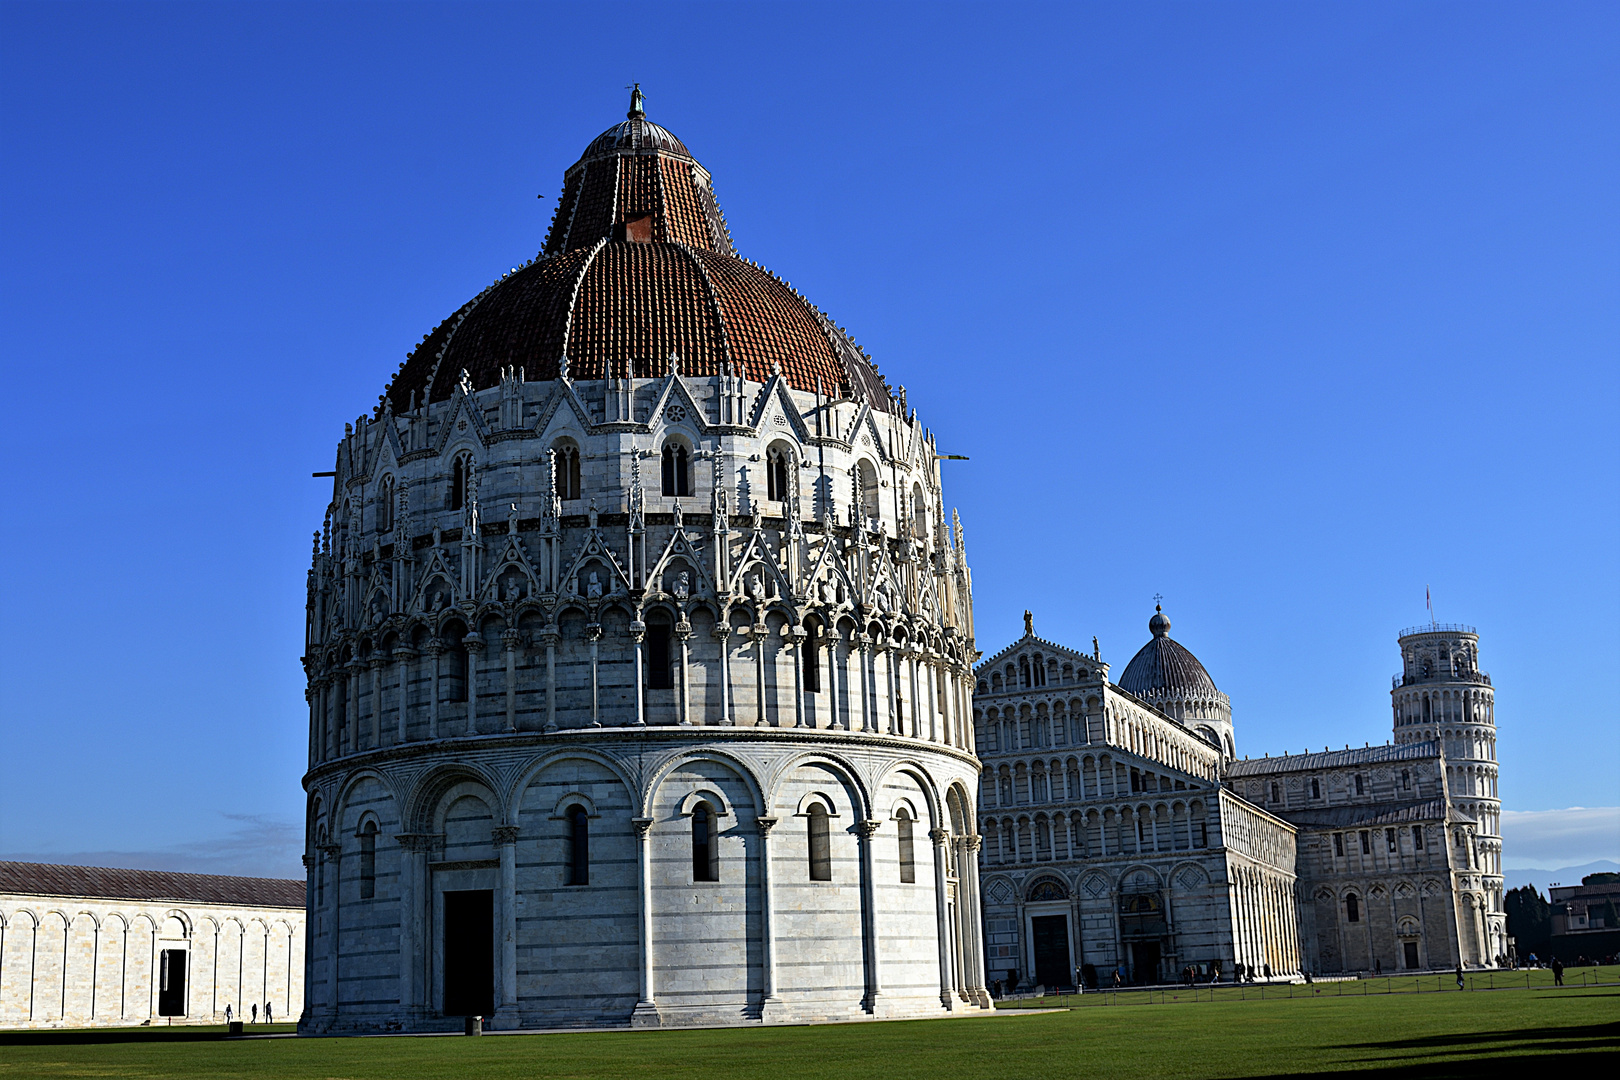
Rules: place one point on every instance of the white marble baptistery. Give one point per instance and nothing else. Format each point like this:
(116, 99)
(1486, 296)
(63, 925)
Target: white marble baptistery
(639, 652)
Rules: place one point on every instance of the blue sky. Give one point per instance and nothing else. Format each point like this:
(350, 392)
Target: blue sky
(1286, 312)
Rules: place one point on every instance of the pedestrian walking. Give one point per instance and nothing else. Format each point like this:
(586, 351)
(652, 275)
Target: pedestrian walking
(267, 1013)
(1459, 977)
(1558, 971)
(227, 1013)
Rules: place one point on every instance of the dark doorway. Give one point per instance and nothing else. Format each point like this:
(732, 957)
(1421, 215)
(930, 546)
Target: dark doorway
(469, 953)
(1145, 962)
(172, 982)
(1052, 950)
(1410, 948)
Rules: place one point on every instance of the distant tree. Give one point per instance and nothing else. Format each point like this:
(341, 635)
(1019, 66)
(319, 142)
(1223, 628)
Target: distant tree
(1610, 917)
(1604, 878)
(1529, 920)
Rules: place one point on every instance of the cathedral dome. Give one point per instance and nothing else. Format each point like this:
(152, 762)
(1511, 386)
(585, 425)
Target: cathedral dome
(1164, 668)
(638, 269)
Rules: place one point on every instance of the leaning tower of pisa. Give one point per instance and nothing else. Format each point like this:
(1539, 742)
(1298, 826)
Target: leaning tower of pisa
(1442, 694)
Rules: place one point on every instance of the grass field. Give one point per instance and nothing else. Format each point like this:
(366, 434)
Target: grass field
(1397, 1035)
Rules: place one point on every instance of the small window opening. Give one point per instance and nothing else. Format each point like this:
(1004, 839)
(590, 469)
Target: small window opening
(908, 851)
(368, 861)
(1361, 784)
(705, 845)
(820, 843)
(1352, 908)
(385, 505)
(1389, 839)
(1366, 843)
(809, 659)
(567, 472)
(1316, 789)
(1417, 838)
(677, 471)
(579, 846)
(1276, 793)
(458, 481)
(1406, 780)
(776, 475)
(660, 657)
(1338, 844)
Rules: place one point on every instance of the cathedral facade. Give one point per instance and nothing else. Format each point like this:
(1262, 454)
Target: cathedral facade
(639, 653)
(1122, 833)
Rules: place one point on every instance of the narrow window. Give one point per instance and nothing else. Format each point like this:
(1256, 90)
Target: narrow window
(1361, 787)
(1200, 835)
(660, 657)
(1389, 839)
(1040, 672)
(567, 472)
(705, 845)
(579, 846)
(868, 479)
(1276, 794)
(458, 482)
(1417, 838)
(1426, 711)
(810, 661)
(1406, 780)
(385, 505)
(1316, 789)
(1352, 908)
(820, 844)
(1366, 843)
(677, 474)
(368, 861)
(1338, 844)
(908, 852)
(776, 476)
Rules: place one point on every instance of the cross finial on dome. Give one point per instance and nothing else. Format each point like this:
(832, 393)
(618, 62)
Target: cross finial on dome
(638, 103)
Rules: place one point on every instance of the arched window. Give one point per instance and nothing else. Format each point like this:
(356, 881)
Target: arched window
(919, 513)
(460, 471)
(810, 659)
(1023, 671)
(705, 845)
(866, 477)
(777, 462)
(660, 656)
(579, 845)
(908, 849)
(368, 861)
(453, 666)
(820, 844)
(567, 470)
(1352, 908)
(677, 470)
(385, 504)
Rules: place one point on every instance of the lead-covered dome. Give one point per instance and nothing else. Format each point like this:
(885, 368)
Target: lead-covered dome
(1164, 668)
(638, 269)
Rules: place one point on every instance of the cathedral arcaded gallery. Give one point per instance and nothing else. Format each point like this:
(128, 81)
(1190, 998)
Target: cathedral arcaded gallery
(639, 650)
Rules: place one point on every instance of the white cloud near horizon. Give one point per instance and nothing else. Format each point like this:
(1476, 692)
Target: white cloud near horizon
(1548, 839)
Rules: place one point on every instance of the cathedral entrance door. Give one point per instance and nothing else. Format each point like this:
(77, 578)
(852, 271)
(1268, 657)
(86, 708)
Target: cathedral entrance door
(1410, 948)
(1144, 962)
(172, 983)
(469, 952)
(1052, 950)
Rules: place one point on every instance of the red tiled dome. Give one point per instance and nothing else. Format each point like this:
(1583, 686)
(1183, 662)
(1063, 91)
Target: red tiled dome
(638, 265)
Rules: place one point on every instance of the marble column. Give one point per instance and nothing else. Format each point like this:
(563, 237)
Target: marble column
(760, 632)
(403, 655)
(683, 631)
(593, 634)
(413, 950)
(972, 916)
(376, 662)
(722, 635)
(770, 1001)
(510, 640)
(506, 1001)
(645, 1013)
(861, 641)
(866, 831)
(792, 646)
(947, 978)
(474, 644)
(638, 636)
(549, 637)
(435, 650)
(334, 856)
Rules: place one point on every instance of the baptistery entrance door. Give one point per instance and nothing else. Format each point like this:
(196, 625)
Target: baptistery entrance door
(1144, 962)
(1052, 950)
(469, 952)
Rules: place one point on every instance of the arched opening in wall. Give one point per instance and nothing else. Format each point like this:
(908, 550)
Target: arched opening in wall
(677, 469)
(867, 480)
(1352, 908)
(660, 653)
(820, 843)
(1427, 714)
(705, 844)
(1038, 670)
(908, 850)
(453, 663)
(385, 504)
(579, 845)
(567, 466)
(810, 656)
(1023, 671)
(368, 860)
(778, 466)
(460, 480)
(919, 513)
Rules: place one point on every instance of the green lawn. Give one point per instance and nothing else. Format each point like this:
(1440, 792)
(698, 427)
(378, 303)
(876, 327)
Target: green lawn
(1400, 1035)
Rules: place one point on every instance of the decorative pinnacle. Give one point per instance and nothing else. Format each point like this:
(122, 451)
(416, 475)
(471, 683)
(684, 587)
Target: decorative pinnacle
(638, 103)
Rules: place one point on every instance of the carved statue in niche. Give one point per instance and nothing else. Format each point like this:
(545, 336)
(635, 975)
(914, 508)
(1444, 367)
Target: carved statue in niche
(512, 589)
(753, 587)
(593, 587)
(683, 586)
